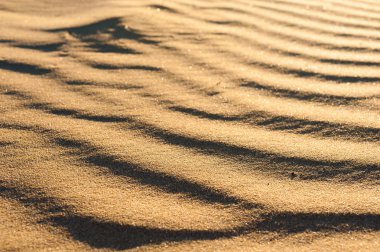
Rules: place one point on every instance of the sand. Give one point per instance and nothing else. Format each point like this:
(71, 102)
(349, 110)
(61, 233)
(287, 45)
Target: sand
(179, 125)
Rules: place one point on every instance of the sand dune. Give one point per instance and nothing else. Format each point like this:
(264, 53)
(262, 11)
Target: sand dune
(242, 125)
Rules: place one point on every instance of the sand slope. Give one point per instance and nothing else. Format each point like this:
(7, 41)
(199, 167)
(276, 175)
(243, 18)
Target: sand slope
(190, 125)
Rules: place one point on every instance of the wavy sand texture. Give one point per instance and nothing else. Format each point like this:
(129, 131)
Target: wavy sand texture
(243, 125)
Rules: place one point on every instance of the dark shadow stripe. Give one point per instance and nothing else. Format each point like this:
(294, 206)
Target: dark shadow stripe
(145, 176)
(225, 22)
(99, 233)
(338, 62)
(112, 235)
(304, 96)
(112, 26)
(127, 67)
(289, 223)
(308, 74)
(290, 124)
(349, 62)
(11, 126)
(4, 144)
(166, 182)
(76, 114)
(23, 67)
(105, 47)
(107, 234)
(16, 94)
(104, 85)
(204, 114)
(53, 47)
(250, 155)
(79, 83)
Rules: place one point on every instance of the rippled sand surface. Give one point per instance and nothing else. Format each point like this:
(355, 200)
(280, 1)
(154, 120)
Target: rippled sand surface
(179, 125)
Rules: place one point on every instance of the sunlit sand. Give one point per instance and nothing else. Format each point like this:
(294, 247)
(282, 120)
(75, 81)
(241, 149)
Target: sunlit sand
(200, 125)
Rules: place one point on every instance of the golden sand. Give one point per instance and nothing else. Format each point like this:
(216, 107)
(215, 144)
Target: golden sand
(202, 125)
